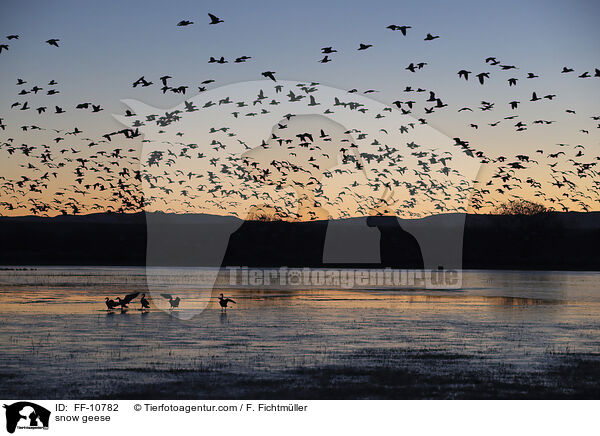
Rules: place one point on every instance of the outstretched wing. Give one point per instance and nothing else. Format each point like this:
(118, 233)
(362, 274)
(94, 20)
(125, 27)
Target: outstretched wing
(229, 300)
(130, 297)
(167, 296)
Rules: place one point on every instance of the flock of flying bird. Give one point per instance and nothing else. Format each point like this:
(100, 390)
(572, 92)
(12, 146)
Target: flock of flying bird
(78, 173)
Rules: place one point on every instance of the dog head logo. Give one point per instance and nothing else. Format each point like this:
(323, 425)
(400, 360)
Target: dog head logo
(26, 415)
(295, 151)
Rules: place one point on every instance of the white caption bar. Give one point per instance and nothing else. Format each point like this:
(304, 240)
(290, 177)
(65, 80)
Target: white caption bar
(25, 417)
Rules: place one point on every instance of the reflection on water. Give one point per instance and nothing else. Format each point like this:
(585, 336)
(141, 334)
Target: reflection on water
(56, 318)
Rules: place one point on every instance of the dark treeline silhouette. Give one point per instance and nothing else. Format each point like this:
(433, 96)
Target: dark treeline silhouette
(553, 241)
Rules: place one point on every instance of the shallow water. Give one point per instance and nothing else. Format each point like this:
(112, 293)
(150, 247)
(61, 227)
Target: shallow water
(54, 326)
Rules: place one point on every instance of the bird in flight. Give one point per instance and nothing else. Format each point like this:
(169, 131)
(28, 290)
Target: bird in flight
(214, 19)
(464, 73)
(270, 75)
(482, 76)
(185, 23)
(402, 29)
(364, 46)
(53, 42)
(141, 81)
(430, 37)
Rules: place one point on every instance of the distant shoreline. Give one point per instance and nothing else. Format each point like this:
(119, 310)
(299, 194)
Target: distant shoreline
(555, 241)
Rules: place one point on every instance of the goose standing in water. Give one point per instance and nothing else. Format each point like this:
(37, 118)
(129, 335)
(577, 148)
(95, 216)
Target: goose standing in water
(110, 304)
(173, 301)
(145, 303)
(223, 302)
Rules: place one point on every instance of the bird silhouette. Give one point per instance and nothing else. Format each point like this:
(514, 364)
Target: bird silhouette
(402, 29)
(482, 76)
(224, 301)
(214, 19)
(110, 304)
(174, 302)
(123, 302)
(270, 75)
(144, 302)
(464, 73)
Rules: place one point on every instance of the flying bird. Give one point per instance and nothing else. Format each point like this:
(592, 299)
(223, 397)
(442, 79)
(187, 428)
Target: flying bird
(214, 19)
(270, 75)
(464, 73)
(402, 29)
(481, 77)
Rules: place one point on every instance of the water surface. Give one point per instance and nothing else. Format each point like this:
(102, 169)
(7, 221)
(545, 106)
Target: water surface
(54, 328)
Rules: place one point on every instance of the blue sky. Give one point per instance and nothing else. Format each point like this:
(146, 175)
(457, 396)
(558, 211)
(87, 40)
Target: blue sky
(105, 46)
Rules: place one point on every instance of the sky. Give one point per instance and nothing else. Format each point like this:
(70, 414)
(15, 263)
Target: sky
(106, 46)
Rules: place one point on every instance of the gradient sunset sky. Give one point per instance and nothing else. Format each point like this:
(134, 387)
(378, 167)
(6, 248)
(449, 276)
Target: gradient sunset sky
(106, 46)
